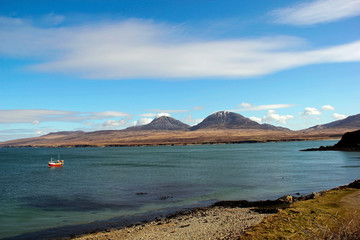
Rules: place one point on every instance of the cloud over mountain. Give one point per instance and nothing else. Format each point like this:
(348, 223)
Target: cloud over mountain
(310, 111)
(338, 116)
(142, 121)
(273, 116)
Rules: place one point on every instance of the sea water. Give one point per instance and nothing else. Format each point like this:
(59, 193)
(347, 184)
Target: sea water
(101, 187)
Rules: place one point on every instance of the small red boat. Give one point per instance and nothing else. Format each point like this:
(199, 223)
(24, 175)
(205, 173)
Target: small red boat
(57, 163)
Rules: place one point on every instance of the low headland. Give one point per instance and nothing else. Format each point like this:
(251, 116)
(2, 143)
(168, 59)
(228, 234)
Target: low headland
(350, 141)
(331, 214)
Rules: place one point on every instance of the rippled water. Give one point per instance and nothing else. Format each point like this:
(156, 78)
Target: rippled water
(116, 186)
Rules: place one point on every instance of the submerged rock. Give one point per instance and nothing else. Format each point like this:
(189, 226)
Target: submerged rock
(141, 193)
(165, 197)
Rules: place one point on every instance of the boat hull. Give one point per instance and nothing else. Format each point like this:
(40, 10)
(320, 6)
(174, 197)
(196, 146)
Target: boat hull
(56, 164)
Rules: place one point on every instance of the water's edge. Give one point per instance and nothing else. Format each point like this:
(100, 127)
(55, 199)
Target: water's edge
(70, 231)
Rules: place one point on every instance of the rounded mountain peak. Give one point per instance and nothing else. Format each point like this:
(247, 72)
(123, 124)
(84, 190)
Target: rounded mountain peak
(163, 123)
(222, 114)
(225, 119)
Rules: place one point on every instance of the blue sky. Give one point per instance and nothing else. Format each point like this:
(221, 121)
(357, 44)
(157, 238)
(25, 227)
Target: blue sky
(95, 65)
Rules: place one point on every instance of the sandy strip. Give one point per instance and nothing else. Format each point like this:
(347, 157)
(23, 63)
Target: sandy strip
(204, 223)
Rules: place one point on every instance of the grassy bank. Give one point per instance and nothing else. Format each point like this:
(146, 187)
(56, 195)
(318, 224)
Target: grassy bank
(335, 214)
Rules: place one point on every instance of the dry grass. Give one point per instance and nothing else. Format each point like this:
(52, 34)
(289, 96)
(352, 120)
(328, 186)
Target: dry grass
(150, 138)
(335, 215)
(335, 227)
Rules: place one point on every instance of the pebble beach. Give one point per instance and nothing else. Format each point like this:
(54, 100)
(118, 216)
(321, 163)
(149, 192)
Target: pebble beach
(202, 223)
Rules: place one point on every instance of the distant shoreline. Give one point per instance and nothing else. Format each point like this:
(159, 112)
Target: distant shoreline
(126, 138)
(171, 144)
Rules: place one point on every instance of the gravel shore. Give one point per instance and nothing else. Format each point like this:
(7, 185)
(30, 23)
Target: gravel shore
(203, 223)
(232, 219)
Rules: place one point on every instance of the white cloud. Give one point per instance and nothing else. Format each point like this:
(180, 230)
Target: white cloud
(245, 105)
(249, 107)
(190, 120)
(115, 123)
(110, 114)
(318, 11)
(133, 49)
(11, 134)
(256, 119)
(327, 108)
(162, 114)
(309, 111)
(168, 110)
(143, 121)
(32, 115)
(338, 116)
(272, 116)
(35, 116)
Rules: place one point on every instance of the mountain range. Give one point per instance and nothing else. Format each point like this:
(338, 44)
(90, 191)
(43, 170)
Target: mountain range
(230, 120)
(218, 120)
(220, 127)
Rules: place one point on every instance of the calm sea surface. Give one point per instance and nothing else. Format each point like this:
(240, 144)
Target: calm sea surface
(115, 186)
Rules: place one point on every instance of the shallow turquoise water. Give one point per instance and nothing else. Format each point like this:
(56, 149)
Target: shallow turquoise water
(114, 185)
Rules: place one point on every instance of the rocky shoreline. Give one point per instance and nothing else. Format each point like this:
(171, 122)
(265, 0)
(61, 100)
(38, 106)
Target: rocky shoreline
(222, 220)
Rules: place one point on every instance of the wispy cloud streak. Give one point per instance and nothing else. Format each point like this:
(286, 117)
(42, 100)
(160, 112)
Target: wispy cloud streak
(36, 116)
(249, 107)
(133, 49)
(319, 11)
